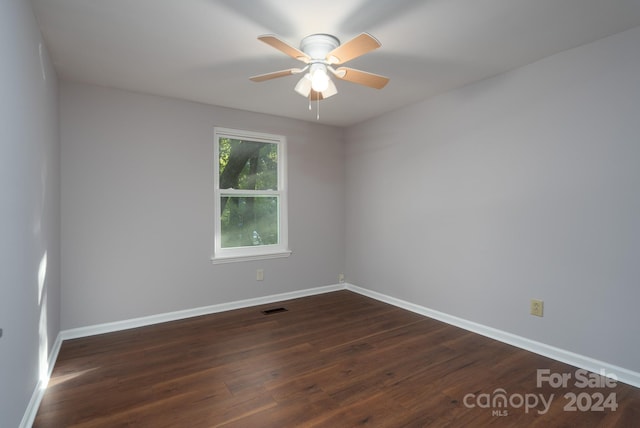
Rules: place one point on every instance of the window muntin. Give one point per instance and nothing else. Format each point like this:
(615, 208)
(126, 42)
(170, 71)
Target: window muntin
(250, 187)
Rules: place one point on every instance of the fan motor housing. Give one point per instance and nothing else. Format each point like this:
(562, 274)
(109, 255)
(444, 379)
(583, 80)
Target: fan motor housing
(317, 46)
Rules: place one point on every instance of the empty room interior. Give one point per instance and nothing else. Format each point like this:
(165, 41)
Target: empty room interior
(269, 213)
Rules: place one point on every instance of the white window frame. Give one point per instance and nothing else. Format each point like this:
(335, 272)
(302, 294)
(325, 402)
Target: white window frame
(235, 254)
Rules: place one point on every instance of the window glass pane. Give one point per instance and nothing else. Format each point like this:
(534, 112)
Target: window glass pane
(248, 221)
(248, 165)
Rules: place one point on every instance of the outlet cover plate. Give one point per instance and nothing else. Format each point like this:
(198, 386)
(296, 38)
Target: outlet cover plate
(537, 307)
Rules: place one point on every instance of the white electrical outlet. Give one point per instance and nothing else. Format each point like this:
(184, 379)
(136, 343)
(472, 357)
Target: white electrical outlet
(260, 275)
(341, 278)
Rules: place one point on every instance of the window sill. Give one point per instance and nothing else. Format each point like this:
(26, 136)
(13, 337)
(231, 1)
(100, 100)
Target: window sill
(245, 258)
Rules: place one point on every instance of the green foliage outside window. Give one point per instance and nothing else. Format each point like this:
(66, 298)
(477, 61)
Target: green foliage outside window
(249, 166)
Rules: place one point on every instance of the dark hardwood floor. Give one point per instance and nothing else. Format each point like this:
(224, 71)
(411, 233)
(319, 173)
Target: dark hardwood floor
(333, 360)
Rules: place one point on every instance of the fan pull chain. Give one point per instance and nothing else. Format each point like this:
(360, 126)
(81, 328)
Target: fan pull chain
(317, 107)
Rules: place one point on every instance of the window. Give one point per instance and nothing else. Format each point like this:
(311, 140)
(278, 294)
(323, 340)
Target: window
(251, 196)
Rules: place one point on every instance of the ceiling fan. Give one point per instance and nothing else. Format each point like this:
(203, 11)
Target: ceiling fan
(320, 52)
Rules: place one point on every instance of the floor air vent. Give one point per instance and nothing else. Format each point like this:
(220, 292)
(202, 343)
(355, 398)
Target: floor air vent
(274, 311)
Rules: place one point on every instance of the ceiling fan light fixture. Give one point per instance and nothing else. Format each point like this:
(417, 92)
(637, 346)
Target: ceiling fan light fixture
(303, 87)
(330, 91)
(319, 77)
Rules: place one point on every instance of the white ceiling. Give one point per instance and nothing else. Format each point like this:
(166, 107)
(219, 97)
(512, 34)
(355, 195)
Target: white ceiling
(205, 50)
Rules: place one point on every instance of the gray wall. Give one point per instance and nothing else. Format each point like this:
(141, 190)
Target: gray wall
(137, 206)
(521, 186)
(29, 209)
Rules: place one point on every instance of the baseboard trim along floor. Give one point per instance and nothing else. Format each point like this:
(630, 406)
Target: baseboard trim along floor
(584, 362)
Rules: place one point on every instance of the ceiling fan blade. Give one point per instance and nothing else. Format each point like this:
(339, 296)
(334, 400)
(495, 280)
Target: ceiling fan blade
(275, 74)
(361, 77)
(284, 47)
(355, 47)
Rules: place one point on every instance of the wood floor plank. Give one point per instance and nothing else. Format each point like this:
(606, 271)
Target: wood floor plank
(333, 360)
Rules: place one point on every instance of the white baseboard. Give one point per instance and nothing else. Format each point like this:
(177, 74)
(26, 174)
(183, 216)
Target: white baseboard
(32, 408)
(623, 375)
(75, 333)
